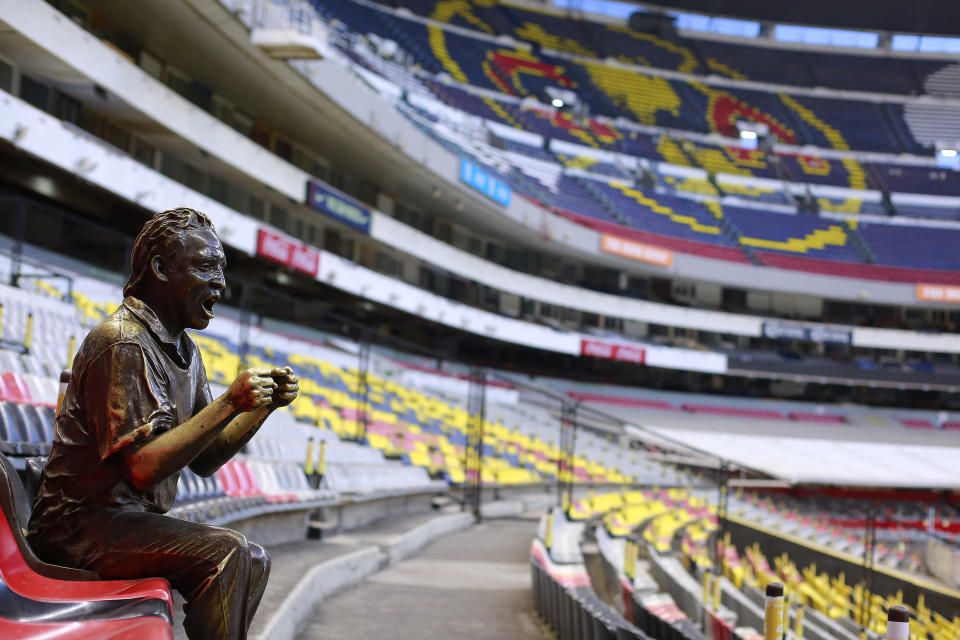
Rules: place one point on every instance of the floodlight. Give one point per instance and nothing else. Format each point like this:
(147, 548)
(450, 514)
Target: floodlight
(948, 157)
(752, 133)
(562, 98)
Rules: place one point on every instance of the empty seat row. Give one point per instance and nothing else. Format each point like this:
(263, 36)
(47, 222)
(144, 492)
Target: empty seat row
(373, 478)
(26, 429)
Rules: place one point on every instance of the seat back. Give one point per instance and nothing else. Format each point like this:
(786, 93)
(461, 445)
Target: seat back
(33, 423)
(13, 428)
(15, 388)
(248, 484)
(15, 505)
(228, 478)
(13, 496)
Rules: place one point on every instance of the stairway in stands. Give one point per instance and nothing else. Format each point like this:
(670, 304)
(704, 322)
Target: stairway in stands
(588, 186)
(673, 152)
(859, 243)
(733, 231)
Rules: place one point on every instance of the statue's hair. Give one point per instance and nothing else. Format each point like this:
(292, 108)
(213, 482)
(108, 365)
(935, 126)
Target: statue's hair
(163, 235)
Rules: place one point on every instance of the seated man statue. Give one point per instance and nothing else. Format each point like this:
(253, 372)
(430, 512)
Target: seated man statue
(137, 410)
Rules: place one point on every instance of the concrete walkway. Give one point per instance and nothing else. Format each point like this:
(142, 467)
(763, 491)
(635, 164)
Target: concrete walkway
(291, 562)
(474, 585)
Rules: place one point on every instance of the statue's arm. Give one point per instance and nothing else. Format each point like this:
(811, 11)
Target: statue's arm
(244, 426)
(163, 455)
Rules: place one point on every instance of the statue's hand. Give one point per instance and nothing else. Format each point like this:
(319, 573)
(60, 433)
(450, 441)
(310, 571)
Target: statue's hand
(253, 388)
(287, 387)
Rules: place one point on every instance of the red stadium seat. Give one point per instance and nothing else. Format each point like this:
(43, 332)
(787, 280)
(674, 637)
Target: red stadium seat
(13, 388)
(703, 249)
(144, 628)
(737, 412)
(825, 418)
(855, 270)
(60, 595)
(642, 403)
(249, 478)
(233, 485)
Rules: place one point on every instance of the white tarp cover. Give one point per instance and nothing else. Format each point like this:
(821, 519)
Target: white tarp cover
(826, 461)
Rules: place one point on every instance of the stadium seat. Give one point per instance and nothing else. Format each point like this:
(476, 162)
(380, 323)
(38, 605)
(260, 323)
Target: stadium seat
(36, 591)
(13, 388)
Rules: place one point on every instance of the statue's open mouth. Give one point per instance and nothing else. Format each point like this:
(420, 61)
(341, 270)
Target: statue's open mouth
(208, 306)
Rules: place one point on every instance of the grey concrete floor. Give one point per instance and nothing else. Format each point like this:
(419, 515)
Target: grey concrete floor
(291, 561)
(471, 585)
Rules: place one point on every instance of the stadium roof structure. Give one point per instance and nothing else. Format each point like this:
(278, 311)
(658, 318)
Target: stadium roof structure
(801, 460)
(939, 17)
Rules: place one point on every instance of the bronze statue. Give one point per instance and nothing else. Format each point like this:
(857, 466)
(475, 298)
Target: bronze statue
(137, 410)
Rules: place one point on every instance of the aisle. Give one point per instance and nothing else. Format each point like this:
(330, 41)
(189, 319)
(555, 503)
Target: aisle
(470, 585)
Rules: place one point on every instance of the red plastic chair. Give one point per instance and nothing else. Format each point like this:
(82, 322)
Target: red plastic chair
(271, 496)
(61, 595)
(147, 628)
(14, 388)
(228, 477)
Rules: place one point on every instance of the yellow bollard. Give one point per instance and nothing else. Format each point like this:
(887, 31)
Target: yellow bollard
(717, 592)
(71, 351)
(773, 612)
(28, 337)
(898, 623)
(548, 541)
(707, 581)
(308, 463)
(630, 559)
(322, 461)
(798, 623)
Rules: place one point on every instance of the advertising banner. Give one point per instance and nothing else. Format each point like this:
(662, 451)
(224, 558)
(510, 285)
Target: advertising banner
(938, 293)
(621, 352)
(481, 180)
(339, 206)
(776, 330)
(288, 252)
(636, 250)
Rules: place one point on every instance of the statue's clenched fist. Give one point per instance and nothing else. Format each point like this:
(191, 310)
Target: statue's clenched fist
(287, 387)
(253, 388)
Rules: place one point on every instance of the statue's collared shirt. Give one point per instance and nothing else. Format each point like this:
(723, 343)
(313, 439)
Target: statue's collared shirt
(131, 381)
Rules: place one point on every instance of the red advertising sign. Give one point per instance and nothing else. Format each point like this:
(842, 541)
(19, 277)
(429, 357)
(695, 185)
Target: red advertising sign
(621, 352)
(286, 251)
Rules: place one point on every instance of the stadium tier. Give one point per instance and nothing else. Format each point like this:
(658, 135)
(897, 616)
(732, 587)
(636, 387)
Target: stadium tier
(617, 91)
(386, 437)
(786, 241)
(574, 35)
(640, 535)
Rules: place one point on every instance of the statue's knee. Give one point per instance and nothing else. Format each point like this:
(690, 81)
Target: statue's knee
(259, 557)
(228, 542)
